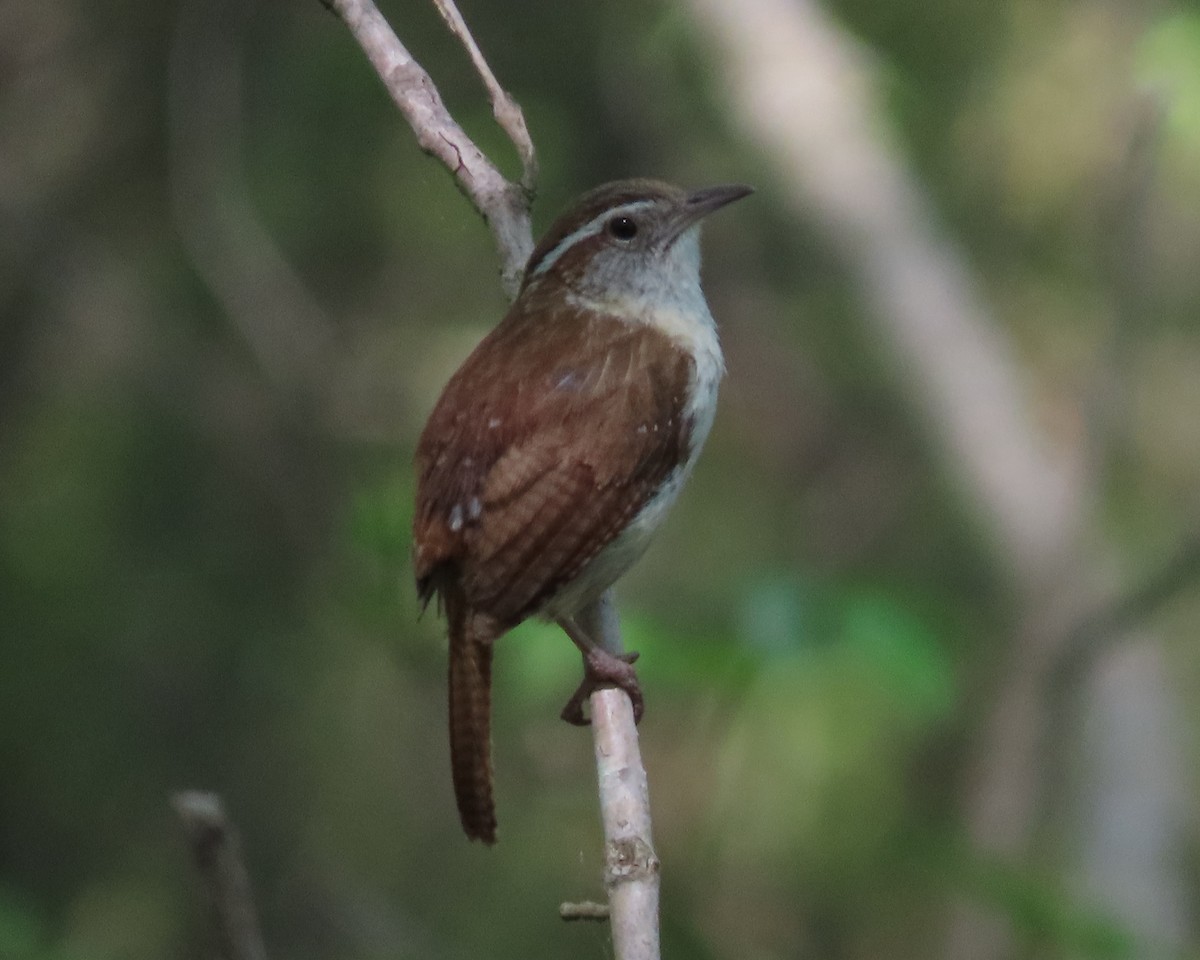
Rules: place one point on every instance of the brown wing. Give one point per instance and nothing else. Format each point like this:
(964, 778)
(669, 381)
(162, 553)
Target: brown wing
(545, 443)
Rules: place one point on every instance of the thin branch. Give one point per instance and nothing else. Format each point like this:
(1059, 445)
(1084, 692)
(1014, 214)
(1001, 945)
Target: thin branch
(504, 205)
(505, 109)
(631, 867)
(1120, 621)
(1094, 634)
(584, 910)
(218, 858)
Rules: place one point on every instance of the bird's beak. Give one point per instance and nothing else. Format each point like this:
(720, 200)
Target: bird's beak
(700, 203)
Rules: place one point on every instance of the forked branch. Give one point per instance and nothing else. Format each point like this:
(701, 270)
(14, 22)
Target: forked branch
(505, 109)
(504, 205)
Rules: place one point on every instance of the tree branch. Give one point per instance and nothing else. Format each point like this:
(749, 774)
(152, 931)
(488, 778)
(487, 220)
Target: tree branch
(505, 109)
(584, 910)
(631, 866)
(504, 205)
(1096, 633)
(218, 857)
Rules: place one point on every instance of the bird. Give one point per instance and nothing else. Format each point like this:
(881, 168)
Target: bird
(556, 449)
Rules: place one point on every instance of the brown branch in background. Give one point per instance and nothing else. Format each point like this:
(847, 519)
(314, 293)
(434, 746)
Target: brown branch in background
(218, 857)
(1095, 634)
(1119, 622)
(504, 205)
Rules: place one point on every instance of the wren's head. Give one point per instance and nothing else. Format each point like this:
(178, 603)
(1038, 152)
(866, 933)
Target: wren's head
(633, 240)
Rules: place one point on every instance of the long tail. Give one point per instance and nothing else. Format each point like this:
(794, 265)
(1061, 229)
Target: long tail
(471, 638)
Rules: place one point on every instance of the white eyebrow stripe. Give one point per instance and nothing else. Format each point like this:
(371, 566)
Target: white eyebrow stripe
(589, 229)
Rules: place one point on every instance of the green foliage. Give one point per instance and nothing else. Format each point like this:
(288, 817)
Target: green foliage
(1168, 64)
(824, 728)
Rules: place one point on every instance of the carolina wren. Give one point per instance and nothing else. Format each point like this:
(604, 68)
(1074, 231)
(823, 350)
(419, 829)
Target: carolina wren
(557, 447)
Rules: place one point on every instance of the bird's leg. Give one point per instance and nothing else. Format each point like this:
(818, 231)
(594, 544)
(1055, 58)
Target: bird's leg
(600, 669)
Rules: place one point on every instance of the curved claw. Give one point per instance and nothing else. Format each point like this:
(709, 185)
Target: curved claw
(603, 669)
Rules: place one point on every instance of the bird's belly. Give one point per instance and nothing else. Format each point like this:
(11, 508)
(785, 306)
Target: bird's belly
(603, 570)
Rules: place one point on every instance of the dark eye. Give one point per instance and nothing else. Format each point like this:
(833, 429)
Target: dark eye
(622, 228)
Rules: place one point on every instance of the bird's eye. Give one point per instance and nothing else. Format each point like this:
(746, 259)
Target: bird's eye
(622, 228)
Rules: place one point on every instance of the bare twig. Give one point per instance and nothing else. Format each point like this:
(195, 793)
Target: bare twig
(218, 857)
(505, 109)
(631, 871)
(504, 205)
(584, 910)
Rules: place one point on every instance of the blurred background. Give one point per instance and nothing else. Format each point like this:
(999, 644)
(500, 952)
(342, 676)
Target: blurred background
(919, 641)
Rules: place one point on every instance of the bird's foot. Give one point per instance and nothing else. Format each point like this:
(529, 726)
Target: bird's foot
(604, 669)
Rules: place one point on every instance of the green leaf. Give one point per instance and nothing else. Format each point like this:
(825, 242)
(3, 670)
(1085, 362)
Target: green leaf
(1168, 61)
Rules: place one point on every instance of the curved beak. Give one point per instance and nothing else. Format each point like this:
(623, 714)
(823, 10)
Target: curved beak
(700, 203)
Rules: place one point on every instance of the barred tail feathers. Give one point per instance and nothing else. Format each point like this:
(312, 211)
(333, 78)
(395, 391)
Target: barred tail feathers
(471, 637)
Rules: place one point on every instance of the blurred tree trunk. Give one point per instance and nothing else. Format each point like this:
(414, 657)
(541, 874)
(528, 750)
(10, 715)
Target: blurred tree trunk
(804, 92)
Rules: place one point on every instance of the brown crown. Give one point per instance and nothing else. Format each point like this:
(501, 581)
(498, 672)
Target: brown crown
(593, 203)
